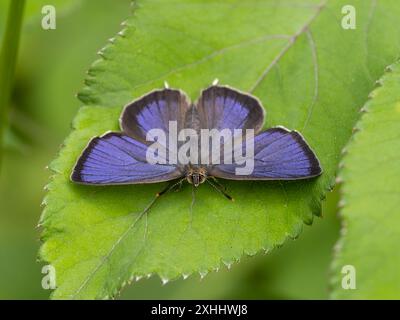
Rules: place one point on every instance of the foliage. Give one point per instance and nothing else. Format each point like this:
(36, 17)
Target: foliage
(311, 75)
(370, 198)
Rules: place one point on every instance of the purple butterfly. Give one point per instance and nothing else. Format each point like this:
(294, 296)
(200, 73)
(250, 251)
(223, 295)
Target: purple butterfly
(120, 157)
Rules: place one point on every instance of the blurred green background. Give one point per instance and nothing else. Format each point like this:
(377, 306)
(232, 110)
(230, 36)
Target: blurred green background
(51, 69)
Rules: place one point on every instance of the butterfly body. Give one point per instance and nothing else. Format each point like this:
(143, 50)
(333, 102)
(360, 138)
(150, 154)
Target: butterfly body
(196, 175)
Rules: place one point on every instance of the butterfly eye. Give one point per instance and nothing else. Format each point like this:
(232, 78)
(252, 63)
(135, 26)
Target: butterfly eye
(189, 178)
(202, 178)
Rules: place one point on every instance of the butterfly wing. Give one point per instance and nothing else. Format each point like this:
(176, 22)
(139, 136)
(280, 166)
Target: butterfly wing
(116, 158)
(279, 154)
(154, 111)
(221, 107)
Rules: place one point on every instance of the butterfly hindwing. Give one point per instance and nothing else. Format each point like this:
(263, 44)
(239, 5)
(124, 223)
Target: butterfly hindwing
(221, 107)
(154, 110)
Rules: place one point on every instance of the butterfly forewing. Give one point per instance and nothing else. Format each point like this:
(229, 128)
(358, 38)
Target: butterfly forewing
(116, 158)
(279, 154)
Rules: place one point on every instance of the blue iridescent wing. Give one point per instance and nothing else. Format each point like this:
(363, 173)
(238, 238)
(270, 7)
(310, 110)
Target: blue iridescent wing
(116, 158)
(221, 107)
(154, 111)
(279, 154)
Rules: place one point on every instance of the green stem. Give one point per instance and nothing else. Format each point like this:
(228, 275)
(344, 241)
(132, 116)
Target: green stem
(8, 59)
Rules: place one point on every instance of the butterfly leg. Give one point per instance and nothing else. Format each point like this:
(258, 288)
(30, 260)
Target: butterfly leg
(220, 188)
(220, 185)
(171, 186)
(178, 185)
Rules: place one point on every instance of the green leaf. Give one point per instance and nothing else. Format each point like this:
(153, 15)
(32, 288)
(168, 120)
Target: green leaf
(311, 75)
(371, 174)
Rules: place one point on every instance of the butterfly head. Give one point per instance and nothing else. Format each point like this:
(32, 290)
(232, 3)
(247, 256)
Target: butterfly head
(196, 175)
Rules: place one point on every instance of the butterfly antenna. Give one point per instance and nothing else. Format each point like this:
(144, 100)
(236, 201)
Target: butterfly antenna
(220, 189)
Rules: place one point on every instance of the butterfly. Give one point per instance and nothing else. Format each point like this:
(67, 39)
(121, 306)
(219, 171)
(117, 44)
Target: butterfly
(117, 158)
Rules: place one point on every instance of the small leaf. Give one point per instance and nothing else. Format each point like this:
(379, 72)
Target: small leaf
(310, 74)
(371, 198)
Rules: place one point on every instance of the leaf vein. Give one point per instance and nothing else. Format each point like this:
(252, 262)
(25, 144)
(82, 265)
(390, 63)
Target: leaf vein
(290, 43)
